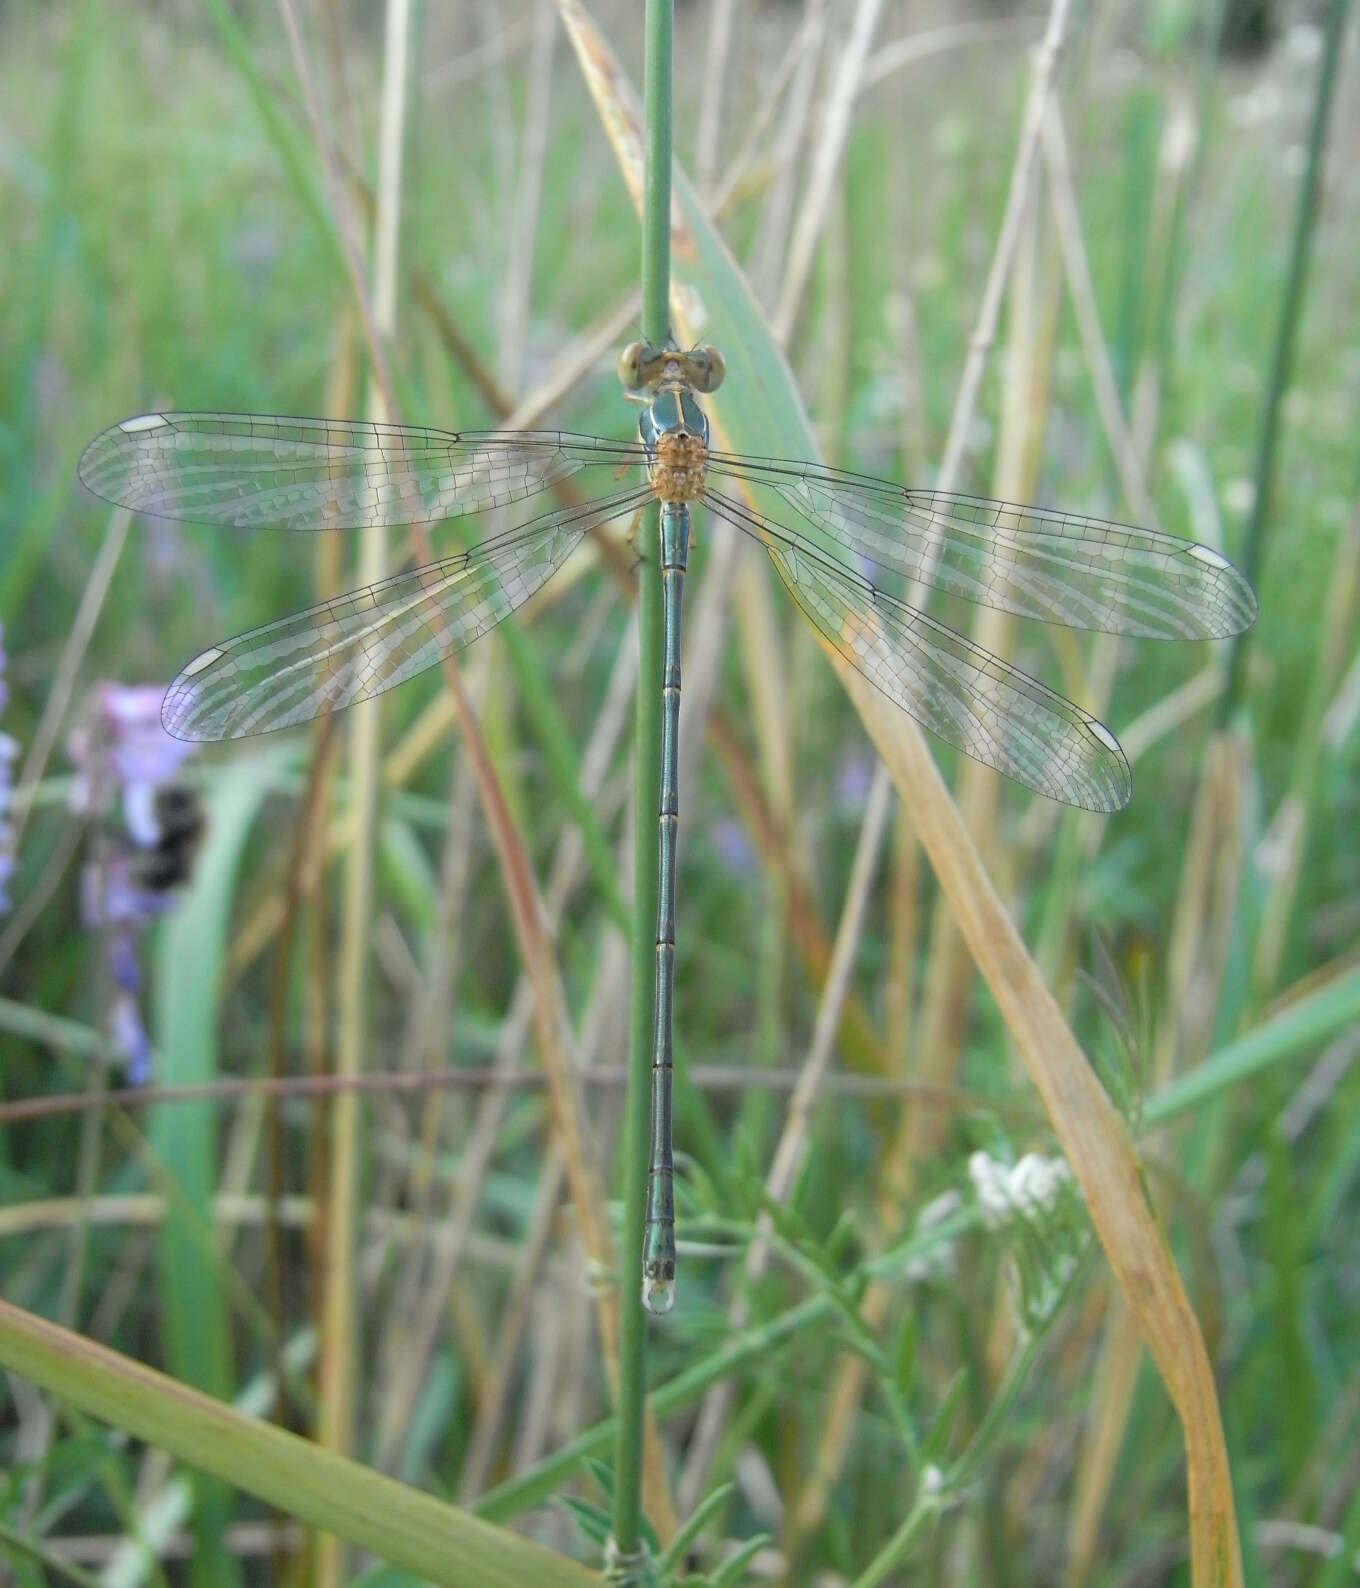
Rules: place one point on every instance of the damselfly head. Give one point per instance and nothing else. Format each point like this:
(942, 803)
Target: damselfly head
(645, 369)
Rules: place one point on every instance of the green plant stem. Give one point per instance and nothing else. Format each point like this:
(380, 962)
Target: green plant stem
(410, 1529)
(656, 212)
(62, 1570)
(1283, 356)
(755, 1344)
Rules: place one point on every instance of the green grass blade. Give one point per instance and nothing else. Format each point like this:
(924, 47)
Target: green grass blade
(405, 1527)
(191, 951)
(1292, 1034)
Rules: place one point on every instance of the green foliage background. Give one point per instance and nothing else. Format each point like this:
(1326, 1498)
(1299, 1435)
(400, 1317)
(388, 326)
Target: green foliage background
(158, 252)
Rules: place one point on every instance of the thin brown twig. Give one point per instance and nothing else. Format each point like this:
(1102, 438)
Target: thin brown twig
(858, 1038)
(68, 671)
(776, 82)
(418, 1083)
(835, 129)
(716, 56)
(924, 45)
(522, 893)
(791, 1149)
(495, 1388)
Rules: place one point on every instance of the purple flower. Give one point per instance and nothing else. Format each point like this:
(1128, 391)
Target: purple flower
(125, 1024)
(853, 777)
(112, 895)
(125, 765)
(733, 846)
(121, 747)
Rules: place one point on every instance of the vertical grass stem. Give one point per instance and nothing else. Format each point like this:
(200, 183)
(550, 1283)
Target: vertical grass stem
(656, 212)
(1283, 354)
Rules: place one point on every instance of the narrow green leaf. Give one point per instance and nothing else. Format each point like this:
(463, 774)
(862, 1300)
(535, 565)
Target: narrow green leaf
(438, 1542)
(937, 1439)
(603, 1475)
(694, 1524)
(191, 951)
(1293, 1033)
(594, 1523)
(36, 1550)
(905, 1362)
(731, 1569)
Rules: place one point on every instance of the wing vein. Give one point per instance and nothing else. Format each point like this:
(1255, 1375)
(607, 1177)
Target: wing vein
(971, 699)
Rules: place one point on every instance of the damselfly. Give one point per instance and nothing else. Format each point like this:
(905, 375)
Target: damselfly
(851, 549)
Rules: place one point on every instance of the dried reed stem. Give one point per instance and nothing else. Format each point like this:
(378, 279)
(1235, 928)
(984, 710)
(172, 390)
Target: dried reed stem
(339, 1318)
(835, 129)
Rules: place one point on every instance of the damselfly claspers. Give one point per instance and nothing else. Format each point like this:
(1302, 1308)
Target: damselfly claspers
(851, 550)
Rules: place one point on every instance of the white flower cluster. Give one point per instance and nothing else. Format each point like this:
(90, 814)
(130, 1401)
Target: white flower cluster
(1034, 1206)
(1029, 1189)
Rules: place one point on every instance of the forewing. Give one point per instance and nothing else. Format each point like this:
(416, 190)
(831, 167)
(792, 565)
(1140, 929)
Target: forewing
(252, 471)
(969, 698)
(372, 639)
(1056, 567)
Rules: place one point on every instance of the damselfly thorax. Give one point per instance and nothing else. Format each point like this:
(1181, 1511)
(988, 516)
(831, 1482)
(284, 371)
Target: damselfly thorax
(672, 426)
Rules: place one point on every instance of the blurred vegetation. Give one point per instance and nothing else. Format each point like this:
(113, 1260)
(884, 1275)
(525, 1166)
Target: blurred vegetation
(161, 251)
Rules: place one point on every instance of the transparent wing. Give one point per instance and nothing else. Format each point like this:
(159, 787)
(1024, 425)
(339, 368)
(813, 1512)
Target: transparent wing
(251, 471)
(971, 699)
(1056, 567)
(372, 639)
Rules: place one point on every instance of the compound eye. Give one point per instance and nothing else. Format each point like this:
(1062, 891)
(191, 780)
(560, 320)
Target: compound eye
(715, 368)
(630, 366)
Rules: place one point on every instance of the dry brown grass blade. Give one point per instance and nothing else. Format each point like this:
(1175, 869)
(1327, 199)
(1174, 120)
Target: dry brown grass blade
(1032, 324)
(339, 1310)
(833, 131)
(859, 1042)
(1121, 1352)
(1093, 1135)
(550, 1015)
(791, 1150)
(948, 972)
(1091, 1131)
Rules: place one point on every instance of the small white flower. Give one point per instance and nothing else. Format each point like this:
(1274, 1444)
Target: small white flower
(991, 1182)
(139, 812)
(1029, 1189)
(1036, 1183)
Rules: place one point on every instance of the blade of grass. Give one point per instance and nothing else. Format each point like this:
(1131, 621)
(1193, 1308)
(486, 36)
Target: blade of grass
(407, 1528)
(189, 956)
(655, 155)
(1292, 820)
(1294, 1031)
(834, 130)
(339, 1331)
(759, 413)
(1282, 356)
(549, 1009)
